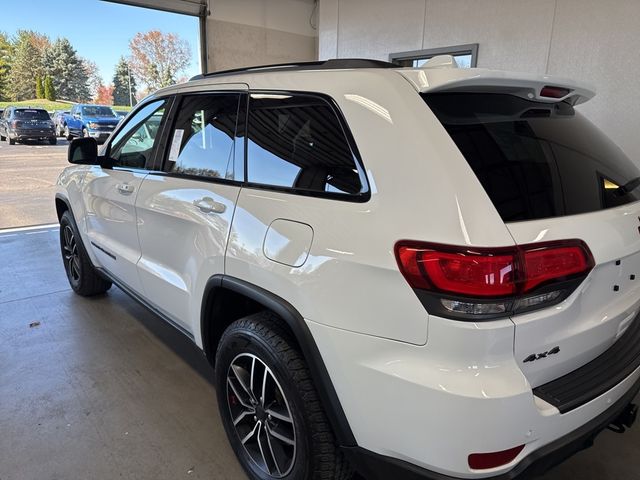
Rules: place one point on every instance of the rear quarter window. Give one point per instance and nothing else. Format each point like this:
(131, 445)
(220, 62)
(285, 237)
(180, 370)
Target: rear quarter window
(536, 160)
(297, 143)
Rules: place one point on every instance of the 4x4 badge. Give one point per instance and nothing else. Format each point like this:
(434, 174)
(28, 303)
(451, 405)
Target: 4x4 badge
(537, 356)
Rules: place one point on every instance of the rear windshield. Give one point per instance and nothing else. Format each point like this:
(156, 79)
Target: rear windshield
(536, 160)
(32, 115)
(94, 111)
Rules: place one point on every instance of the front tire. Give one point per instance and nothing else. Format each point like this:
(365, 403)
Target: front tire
(12, 141)
(269, 406)
(53, 141)
(82, 276)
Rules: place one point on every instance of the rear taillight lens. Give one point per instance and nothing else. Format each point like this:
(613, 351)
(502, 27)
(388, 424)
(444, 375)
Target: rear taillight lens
(495, 281)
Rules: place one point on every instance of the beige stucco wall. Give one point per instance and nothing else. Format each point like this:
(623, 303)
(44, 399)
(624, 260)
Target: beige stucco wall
(597, 41)
(257, 32)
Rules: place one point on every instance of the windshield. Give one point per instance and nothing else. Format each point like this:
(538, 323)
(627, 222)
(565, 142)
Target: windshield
(536, 160)
(31, 115)
(97, 111)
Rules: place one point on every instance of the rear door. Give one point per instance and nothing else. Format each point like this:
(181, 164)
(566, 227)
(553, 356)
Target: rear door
(185, 210)
(553, 176)
(111, 194)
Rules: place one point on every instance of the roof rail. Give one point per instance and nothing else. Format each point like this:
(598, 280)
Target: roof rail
(333, 64)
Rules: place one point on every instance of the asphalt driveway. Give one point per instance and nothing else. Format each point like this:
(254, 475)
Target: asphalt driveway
(28, 174)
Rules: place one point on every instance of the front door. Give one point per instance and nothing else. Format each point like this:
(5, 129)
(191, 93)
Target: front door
(185, 212)
(111, 194)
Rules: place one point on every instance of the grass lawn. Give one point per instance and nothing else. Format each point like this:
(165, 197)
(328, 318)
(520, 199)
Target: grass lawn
(49, 106)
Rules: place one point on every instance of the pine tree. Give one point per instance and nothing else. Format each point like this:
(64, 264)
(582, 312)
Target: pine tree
(28, 51)
(6, 54)
(67, 71)
(39, 87)
(121, 84)
(49, 91)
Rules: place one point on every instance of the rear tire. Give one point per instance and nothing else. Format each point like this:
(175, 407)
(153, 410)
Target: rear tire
(294, 443)
(82, 276)
(53, 141)
(12, 141)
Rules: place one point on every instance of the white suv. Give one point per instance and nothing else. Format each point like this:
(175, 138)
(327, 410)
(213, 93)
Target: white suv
(409, 272)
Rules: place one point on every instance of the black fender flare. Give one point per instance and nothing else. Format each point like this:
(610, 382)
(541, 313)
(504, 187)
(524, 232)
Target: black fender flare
(64, 200)
(296, 323)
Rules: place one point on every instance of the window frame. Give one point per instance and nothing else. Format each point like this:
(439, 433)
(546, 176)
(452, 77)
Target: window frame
(158, 143)
(170, 125)
(361, 197)
(466, 49)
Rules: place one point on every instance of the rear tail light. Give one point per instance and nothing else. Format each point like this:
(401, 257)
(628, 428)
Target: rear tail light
(554, 92)
(471, 281)
(485, 461)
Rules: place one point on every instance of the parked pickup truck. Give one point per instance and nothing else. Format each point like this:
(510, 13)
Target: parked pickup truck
(97, 121)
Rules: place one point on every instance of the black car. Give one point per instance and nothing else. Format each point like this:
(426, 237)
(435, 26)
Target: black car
(21, 124)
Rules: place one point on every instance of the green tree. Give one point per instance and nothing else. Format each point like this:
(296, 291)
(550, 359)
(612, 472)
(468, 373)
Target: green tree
(6, 56)
(39, 87)
(67, 72)
(49, 90)
(27, 63)
(121, 85)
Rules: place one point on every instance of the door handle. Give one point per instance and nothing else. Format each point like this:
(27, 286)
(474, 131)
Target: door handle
(209, 205)
(125, 188)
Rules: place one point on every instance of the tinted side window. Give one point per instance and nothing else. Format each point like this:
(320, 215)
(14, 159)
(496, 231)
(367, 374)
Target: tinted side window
(133, 145)
(536, 160)
(204, 137)
(297, 142)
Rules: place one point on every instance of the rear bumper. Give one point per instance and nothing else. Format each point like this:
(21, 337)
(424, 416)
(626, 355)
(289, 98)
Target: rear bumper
(426, 408)
(378, 467)
(19, 134)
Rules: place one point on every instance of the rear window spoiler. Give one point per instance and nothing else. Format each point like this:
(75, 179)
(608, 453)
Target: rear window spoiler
(540, 88)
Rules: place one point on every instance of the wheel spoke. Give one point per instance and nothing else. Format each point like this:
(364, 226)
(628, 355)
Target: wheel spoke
(238, 373)
(263, 396)
(242, 401)
(250, 434)
(280, 416)
(279, 436)
(243, 415)
(273, 455)
(264, 458)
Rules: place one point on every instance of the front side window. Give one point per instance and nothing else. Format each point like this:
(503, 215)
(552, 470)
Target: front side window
(297, 142)
(133, 145)
(204, 137)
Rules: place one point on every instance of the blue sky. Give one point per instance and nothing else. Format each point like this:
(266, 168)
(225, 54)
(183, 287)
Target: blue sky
(98, 30)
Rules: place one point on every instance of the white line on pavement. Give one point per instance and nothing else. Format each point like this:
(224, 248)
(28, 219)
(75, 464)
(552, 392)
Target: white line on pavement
(26, 229)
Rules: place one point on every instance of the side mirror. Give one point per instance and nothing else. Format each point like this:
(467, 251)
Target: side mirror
(83, 151)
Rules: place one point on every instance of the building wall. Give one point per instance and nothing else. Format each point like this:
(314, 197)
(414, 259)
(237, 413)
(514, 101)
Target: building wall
(253, 32)
(589, 40)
